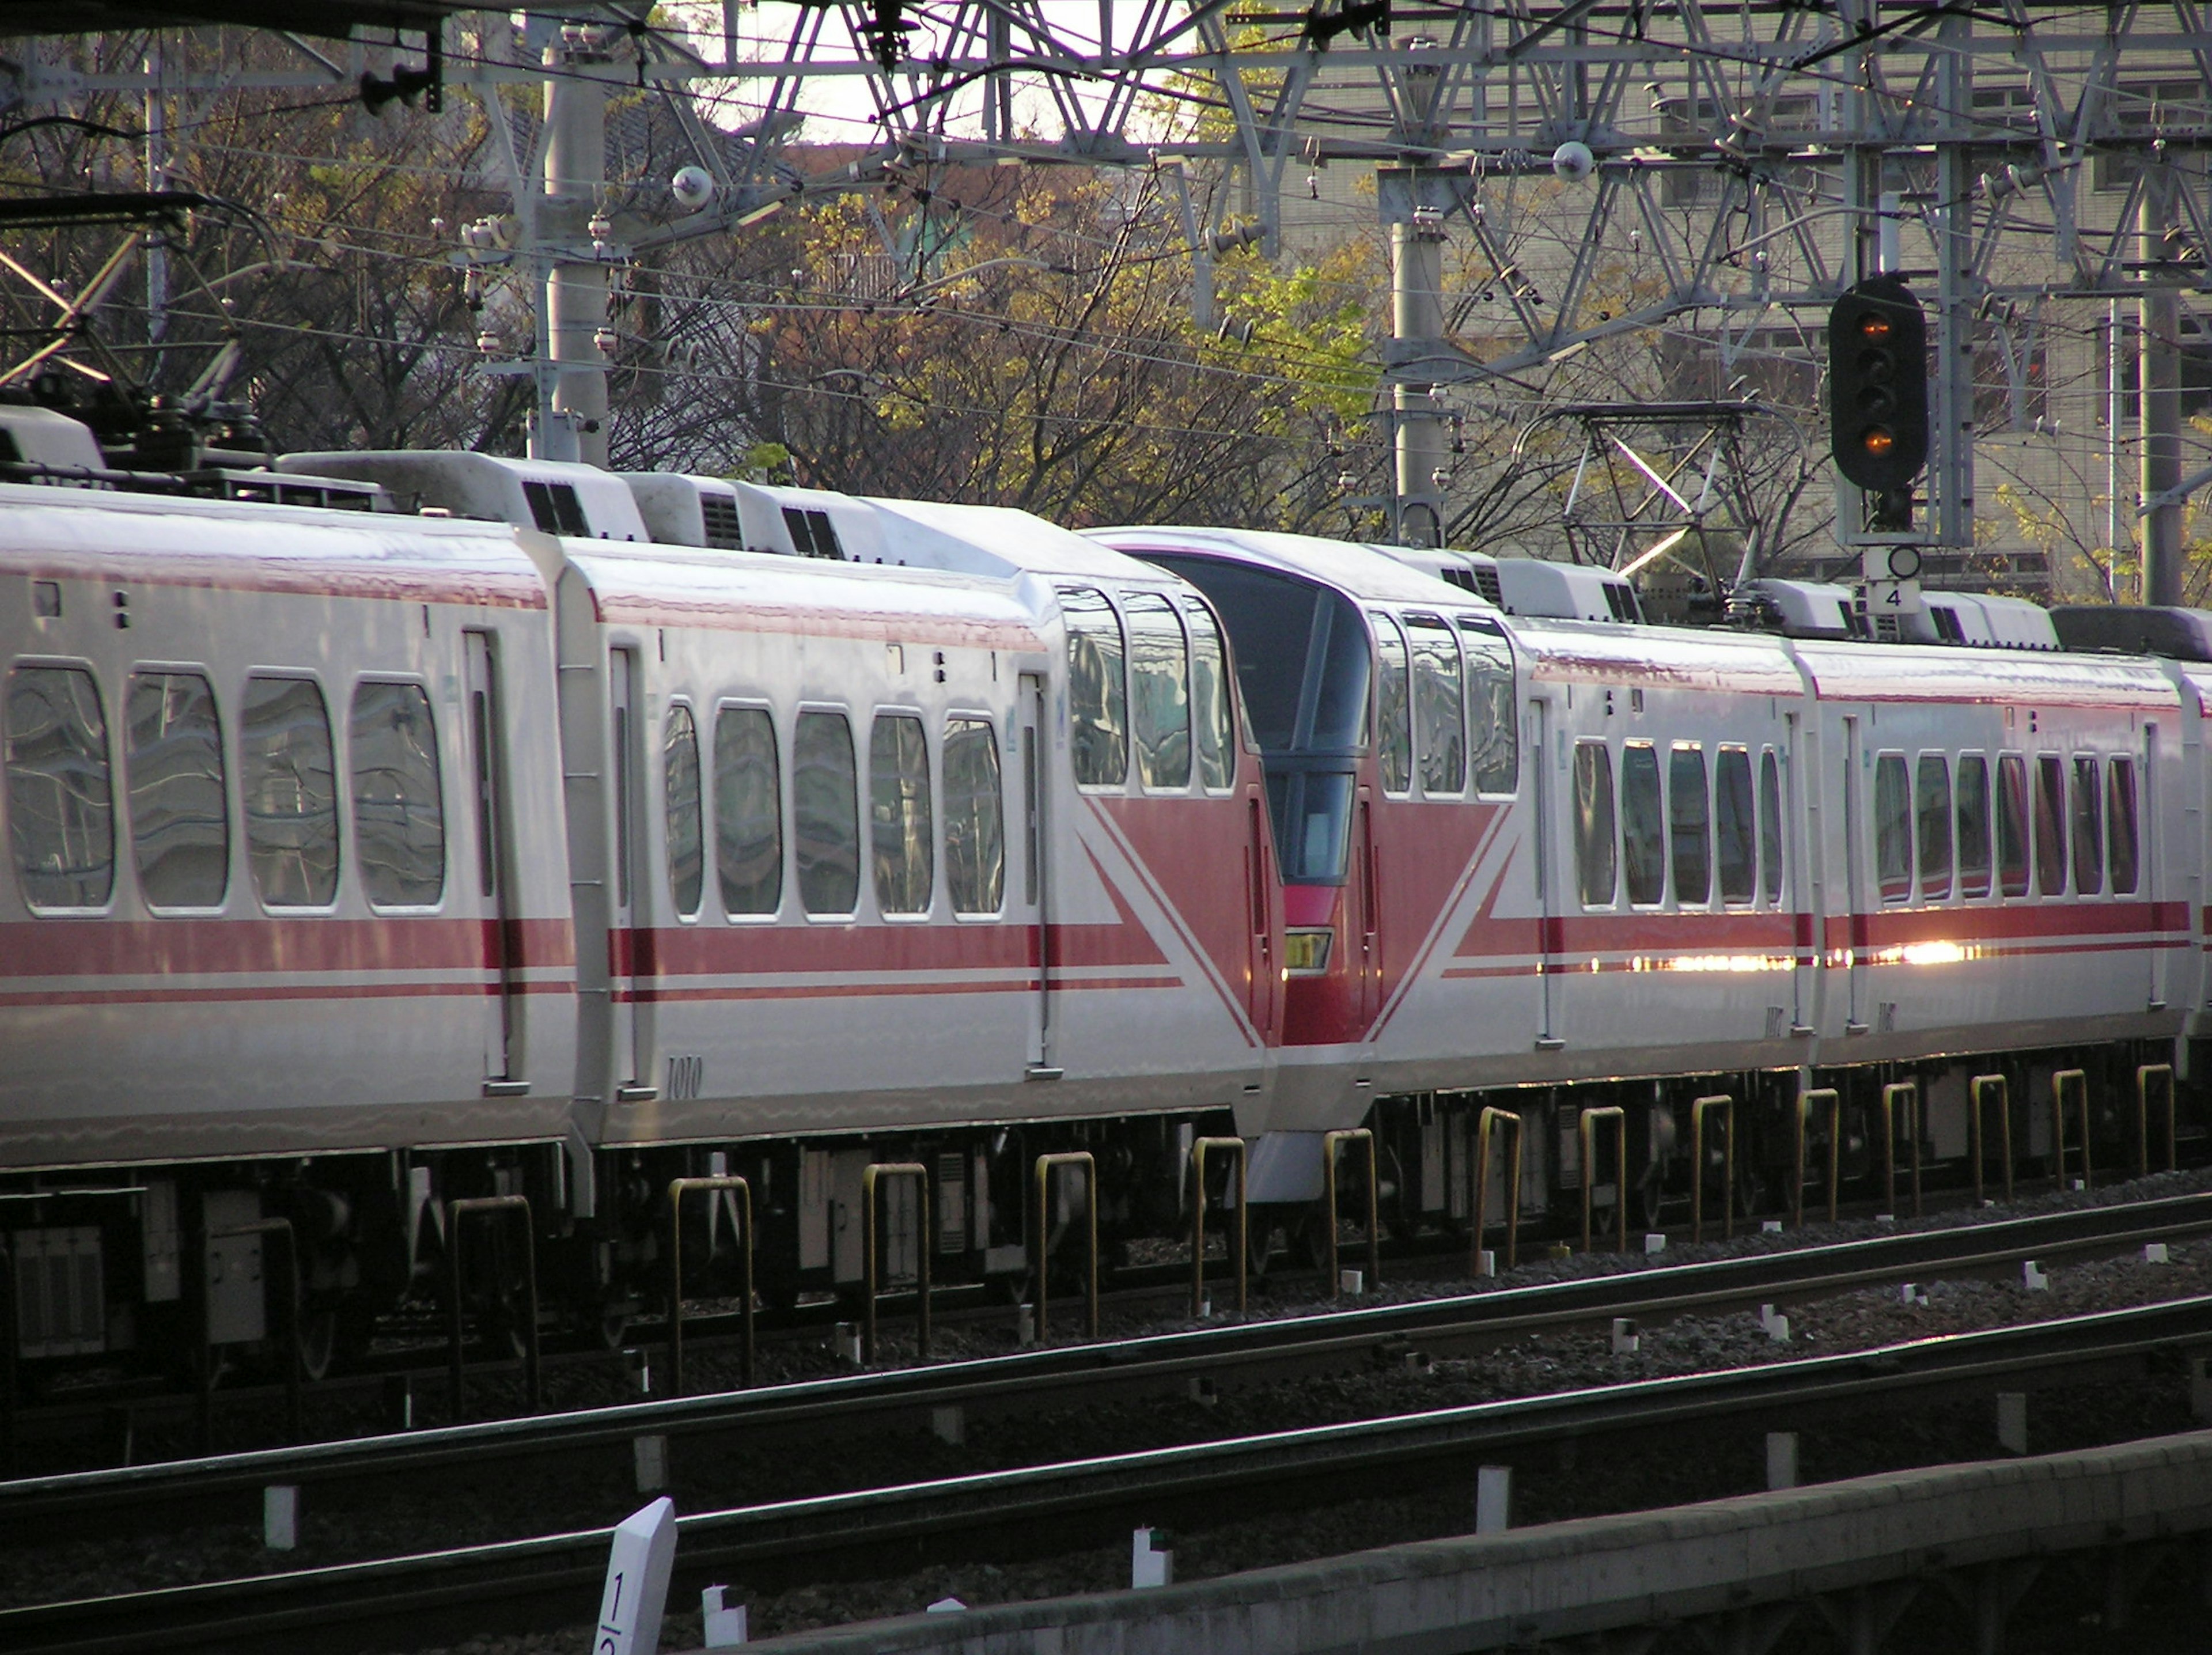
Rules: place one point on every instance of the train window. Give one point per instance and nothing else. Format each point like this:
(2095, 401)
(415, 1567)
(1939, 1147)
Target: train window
(1643, 825)
(1394, 749)
(61, 813)
(748, 812)
(1312, 811)
(2050, 825)
(1159, 690)
(1594, 841)
(1893, 828)
(975, 819)
(290, 787)
(2120, 824)
(179, 813)
(1209, 700)
(1932, 789)
(1097, 704)
(1439, 706)
(2012, 825)
(825, 813)
(1734, 825)
(1493, 738)
(1974, 801)
(399, 809)
(681, 790)
(1770, 823)
(898, 813)
(1688, 827)
(2089, 827)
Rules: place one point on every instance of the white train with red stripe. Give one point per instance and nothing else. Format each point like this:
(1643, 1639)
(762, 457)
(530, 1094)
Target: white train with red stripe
(1548, 864)
(361, 862)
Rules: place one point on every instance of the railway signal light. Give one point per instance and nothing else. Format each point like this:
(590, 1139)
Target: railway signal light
(1878, 387)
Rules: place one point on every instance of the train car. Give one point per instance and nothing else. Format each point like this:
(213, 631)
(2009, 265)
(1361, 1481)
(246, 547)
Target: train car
(940, 862)
(1589, 864)
(286, 935)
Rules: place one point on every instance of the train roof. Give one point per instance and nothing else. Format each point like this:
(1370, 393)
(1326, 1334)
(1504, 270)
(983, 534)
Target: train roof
(679, 586)
(61, 533)
(1894, 672)
(1687, 658)
(1357, 571)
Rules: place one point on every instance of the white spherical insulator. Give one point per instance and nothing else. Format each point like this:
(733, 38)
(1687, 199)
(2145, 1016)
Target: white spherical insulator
(1573, 162)
(693, 187)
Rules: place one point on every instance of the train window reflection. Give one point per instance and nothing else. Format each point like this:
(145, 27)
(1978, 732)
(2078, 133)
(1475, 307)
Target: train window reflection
(1439, 706)
(61, 813)
(1159, 690)
(1098, 706)
(1688, 826)
(1893, 828)
(1769, 824)
(1393, 744)
(1932, 784)
(180, 815)
(975, 819)
(825, 813)
(748, 812)
(2050, 825)
(2120, 824)
(1594, 841)
(1974, 801)
(398, 814)
(290, 786)
(1643, 825)
(2089, 827)
(1493, 739)
(681, 787)
(2012, 825)
(1209, 700)
(898, 814)
(1734, 847)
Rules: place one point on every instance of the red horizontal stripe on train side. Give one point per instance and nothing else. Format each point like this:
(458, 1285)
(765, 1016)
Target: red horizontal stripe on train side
(2017, 921)
(713, 950)
(98, 996)
(1634, 933)
(834, 991)
(189, 947)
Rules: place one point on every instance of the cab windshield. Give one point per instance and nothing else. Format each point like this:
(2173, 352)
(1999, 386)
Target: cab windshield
(1302, 661)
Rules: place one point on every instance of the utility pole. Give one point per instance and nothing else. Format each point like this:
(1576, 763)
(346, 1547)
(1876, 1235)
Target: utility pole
(572, 399)
(1952, 468)
(1417, 314)
(2159, 376)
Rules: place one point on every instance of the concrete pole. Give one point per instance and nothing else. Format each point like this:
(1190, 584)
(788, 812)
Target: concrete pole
(1417, 312)
(574, 427)
(2159, 368)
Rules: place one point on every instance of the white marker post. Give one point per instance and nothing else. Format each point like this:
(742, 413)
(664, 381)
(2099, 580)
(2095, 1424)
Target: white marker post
(638, 1565)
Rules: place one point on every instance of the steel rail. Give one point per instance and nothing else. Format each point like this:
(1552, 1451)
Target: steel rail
(358, 1604)
(1052, 1377)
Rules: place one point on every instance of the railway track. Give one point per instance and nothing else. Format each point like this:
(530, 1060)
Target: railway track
(1066, 1376)
(400, 1601)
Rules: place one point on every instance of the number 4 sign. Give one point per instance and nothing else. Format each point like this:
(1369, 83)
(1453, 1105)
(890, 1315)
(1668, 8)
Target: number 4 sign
(638, 1565)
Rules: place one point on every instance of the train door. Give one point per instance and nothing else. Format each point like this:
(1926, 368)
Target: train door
(627, 965)
(1036, 868)
(1551, 939)
(485, 724)
(2148, 845)
(1365, 922)
(1258, 896)
(1799, 884)
(1855, 877)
